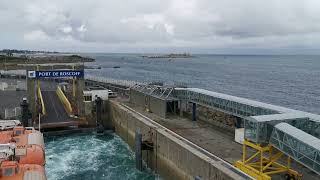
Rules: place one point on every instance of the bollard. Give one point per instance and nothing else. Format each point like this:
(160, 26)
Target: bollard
(138, 143)
(194, 111)
(238, 122)
(98, 101)
(25, 113)
(99, 125)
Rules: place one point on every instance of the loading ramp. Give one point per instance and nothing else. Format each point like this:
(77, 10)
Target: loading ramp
(56, 115)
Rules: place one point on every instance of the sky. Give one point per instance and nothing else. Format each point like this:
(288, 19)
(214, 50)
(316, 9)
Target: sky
(154, 26)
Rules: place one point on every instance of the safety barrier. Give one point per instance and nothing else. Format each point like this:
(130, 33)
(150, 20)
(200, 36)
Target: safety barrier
(43, 109)
(12, 113)
(64, 100)
(125, 83)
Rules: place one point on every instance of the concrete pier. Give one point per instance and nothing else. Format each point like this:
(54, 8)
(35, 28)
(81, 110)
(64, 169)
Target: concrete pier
(173, 157)
(185, 146)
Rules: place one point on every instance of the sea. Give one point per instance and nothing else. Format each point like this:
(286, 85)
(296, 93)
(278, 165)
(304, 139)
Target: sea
(92, 157)
(291, 81)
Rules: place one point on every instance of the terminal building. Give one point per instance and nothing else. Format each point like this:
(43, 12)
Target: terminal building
(155, 99)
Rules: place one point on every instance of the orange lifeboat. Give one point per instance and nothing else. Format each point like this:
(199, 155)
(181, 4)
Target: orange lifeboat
(22, 136)
(22, 154)
(29, 144)
(16, 131)
(27, 136)
(5, 137)
(12, 170)
(31, 154)
(8, 124)
(6, 127)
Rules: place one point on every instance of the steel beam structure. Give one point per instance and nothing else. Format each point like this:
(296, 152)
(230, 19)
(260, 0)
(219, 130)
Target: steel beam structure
(294, 133)
(298, 144)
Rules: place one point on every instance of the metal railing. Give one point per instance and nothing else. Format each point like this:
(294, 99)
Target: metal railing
(13, 72)
(125, 83)
(12, 113)
(43, 109)
(64, 100)
(229, 104)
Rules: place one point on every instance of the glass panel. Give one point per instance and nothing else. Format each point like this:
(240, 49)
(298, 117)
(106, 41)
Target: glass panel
(18, 132)
(251, 131)
(8, 172)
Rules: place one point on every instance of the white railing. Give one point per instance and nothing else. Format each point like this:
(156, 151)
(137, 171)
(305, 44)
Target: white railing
(13, 72)
(126, 83)
(12, 113)
(120, 82)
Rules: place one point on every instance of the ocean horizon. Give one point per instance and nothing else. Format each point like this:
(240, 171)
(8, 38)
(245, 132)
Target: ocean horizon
(291, 81)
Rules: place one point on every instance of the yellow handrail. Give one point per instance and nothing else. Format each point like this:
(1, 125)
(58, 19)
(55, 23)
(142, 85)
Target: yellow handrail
(43, 109)
(64, 100)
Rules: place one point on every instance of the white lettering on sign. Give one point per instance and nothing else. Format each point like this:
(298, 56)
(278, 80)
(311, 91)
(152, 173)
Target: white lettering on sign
(69, 73)
(56, 73)
(44, 74)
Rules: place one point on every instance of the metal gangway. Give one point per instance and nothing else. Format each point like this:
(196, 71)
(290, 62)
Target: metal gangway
(298, 144)
(272, 131)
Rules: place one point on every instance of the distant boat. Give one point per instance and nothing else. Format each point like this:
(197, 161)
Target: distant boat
(116, 67)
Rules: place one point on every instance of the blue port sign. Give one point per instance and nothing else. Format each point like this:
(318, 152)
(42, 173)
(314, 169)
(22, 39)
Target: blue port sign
(55, 74)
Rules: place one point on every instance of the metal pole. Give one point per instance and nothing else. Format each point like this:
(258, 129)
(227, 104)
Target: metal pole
(38, 91)
(73, 84)
(38, 68)
(39, 122)
(27, 79)
(244, 150)
(5, 64)
(289, 162)
(138, 139)
(194, 111)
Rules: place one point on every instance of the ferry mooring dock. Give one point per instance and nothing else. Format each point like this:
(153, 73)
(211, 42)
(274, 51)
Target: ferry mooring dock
(185, 133)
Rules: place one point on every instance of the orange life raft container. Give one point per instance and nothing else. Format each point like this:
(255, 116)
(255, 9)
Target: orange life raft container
(29, 144)
(22, 154)
(12, 170)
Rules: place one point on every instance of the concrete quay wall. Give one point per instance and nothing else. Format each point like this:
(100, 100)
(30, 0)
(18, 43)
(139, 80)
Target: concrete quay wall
(171, 157)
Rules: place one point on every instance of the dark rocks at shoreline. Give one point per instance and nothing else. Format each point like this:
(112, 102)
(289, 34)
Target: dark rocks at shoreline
(184, 55)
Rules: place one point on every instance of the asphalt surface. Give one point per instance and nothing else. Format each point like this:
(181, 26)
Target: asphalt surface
(55, 111)
(10, 99)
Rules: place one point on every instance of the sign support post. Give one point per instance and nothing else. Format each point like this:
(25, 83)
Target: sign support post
(73, 84)
(38, 81)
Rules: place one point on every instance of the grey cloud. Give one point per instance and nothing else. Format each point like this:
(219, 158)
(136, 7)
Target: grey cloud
(121, 24)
